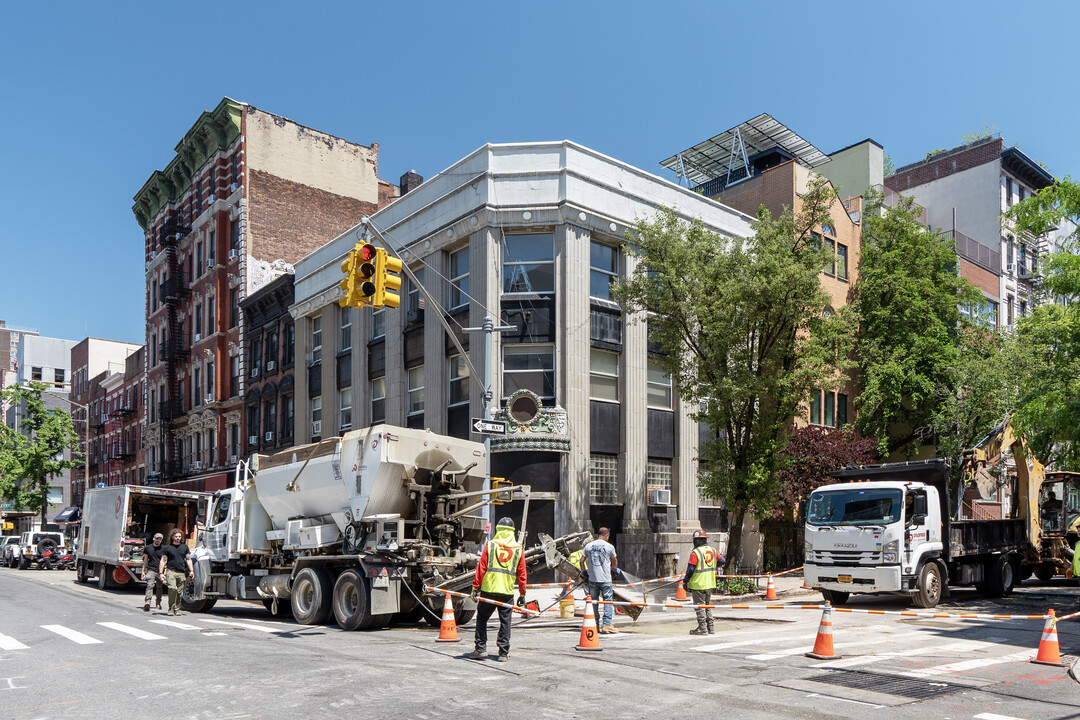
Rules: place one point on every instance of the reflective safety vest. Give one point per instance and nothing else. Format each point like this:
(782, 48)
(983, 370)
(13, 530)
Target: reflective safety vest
(704, 576)
(1076, 560)
(501, 575)
(575, 558)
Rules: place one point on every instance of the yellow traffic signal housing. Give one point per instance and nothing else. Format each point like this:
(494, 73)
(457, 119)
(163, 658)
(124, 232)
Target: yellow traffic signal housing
(359, 282)
(496, 483)
(387, 280)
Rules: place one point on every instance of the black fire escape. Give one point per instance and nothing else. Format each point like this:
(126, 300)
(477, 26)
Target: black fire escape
(176, 349)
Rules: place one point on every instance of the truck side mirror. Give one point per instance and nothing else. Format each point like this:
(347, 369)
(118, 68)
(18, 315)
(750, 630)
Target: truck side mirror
(918, 519)
(920, 505)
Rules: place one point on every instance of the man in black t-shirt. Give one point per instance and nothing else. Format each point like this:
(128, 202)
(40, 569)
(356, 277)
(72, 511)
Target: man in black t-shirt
(176, 566)
(151, 561)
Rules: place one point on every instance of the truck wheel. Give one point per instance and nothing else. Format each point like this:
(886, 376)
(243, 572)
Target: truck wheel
(284, 607)
(352, 603)
(103, 573)
(1000, 577)
(311, 593)
(835, 597)
(198, 606)
(462, 616)
(1045, 572)
(930, 586)
(81, 576)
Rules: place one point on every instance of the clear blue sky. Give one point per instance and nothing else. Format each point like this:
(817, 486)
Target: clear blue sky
(96, 95)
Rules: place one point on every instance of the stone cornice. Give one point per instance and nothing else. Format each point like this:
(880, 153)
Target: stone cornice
(215, 130)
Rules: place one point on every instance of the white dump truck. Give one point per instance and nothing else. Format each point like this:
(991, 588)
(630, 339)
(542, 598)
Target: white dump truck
(119, 521)
(355, 526)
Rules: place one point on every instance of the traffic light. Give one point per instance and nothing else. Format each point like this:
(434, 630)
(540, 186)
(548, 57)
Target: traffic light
(387, 279)
(359, 282)
(496, 483)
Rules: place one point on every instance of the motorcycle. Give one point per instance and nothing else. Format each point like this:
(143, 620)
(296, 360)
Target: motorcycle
(57, 560)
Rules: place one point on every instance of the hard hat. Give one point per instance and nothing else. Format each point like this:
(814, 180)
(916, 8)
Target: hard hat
(506, 523)
(700, 534)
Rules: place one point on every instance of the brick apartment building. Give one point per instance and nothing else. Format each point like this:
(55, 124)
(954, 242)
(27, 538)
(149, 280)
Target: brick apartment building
(99, 370)
(246, 194)
(965, 190)
(269, 400)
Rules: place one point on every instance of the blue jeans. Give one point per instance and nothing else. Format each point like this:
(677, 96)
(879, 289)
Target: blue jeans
(602, 591)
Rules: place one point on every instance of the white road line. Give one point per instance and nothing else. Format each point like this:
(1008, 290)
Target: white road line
(755, 641)
(969, 665)
(10, 643)
(135, 632)
(180, 625)
(992, 716)
(70, 634)
(956, 647)
(800, 650)
(246, 626)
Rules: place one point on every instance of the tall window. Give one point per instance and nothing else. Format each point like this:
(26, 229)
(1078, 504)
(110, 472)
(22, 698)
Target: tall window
(210, 379)
(841, 261)
(345, 334)
(603, 479)
(270, 417)
(345, 408)
(289, 350)
(210, 250)
(416, 300)
(316, 416)
(529, 367)
(603, 269)
(603, 375)
(378, 400)
(35, 374)
(58, 376)
(416, 390)
(255, 356)
(378, 324)
(234, 235)
(234, 376)
(529, 263)
(316, 339)
(199, 259)
(271, 347)
(658, 474)
(459, 381)
(288, 410)
(198, 320)
(830, 257)
(658, 386)
(253, 424)
(459, 278)
(815, 407)
(196, 387)
(828, 409)
(234, 308)
(211, 316)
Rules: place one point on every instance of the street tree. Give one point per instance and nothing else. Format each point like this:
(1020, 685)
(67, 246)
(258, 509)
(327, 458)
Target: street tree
(1048, 339)
(812, 453)
(906, 303)
(34, 455)
(745, 334)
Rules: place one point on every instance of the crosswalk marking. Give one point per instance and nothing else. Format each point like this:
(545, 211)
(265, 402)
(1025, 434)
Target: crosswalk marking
(969, 665)
(962, 646)
(802, 649)
(755, 641)
(134, 632)
(180, 625)
(10, 643)
(992, 716)
(246, 626)
(73, 635)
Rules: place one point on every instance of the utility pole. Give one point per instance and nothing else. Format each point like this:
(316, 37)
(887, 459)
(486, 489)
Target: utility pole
(488, 328)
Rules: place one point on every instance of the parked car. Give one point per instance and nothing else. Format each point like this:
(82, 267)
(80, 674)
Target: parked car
(9, 550)
(34, 545)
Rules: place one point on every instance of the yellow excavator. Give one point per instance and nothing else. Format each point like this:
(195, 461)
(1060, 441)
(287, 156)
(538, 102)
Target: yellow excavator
(1049, 503)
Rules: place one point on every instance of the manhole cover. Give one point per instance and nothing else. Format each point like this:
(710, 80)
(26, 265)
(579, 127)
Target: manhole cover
(221, 630)
(888, 684)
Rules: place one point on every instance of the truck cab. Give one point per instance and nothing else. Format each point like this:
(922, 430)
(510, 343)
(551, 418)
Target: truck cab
(873, 537)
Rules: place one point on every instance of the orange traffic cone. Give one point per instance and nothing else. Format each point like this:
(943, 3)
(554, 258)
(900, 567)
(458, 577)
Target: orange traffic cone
(1048, 646)
(805, 586)
(823, 648)
(448, 627)
(590, 638)
(680, 592)
(770, 590)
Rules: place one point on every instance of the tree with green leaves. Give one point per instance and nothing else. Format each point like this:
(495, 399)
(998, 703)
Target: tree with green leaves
(1048, 340)
(34, 455)
(906, 303)
(745, 334)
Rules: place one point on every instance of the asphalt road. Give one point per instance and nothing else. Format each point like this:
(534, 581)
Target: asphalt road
(73, 651)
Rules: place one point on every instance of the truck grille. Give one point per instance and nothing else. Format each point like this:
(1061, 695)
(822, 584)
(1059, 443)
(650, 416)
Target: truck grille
(845, 557)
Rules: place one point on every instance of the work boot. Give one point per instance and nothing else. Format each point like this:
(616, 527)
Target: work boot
(610, 629)
(159, 604)
(699, 631)
(711, 630)
(477, 655)
(502, 658)
(146, 607)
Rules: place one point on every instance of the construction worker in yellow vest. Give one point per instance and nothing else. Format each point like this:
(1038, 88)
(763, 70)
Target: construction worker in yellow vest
(502, 565)
(700, 580)
(1076, 560)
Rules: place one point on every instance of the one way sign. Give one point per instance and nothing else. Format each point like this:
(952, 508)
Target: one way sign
(489, 427)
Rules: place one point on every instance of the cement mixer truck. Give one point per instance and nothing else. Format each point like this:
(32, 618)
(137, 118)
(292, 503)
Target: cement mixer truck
(355, 527)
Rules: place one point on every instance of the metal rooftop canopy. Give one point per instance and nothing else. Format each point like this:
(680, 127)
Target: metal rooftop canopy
(727, 153)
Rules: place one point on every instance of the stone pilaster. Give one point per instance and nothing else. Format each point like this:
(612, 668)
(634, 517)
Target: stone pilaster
(634, 419)
(685, 466)
(572, 368)
(301, 403)
(436, 374)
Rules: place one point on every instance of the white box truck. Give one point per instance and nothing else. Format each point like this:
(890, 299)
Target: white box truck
(118, 521)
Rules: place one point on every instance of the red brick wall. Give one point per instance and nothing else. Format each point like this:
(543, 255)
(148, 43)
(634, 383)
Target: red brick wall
(288, 220)
(979, 277)
(945, 166)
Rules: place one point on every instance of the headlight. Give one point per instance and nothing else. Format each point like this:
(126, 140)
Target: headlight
(889, 557)
(808, 549)
(893, 546)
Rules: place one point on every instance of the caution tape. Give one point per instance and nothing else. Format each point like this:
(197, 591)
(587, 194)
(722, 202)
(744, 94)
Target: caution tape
(672, 578)
(1070, 616)
(479, 598)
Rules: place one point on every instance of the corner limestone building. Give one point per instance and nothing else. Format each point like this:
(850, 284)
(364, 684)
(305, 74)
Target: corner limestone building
(531, 234)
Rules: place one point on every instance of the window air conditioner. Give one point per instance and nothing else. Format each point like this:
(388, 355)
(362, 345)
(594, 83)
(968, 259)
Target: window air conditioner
(196, 465)
(268, 437)
(198, 337)
(232, 187)
(233, 254)
(210, 263)
(1010, 268)
(254, 372)
(209, 399)
(659, 497)
(270, 366)
(253, 439)
(232, 459)
(316, 427)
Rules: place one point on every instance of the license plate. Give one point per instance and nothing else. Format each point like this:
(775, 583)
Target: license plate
(843, 578)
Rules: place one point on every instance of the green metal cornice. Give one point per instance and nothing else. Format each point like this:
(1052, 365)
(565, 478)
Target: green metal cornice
(215, 130)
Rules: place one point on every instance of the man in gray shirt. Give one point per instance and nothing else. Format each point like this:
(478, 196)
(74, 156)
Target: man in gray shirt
(600, 561)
